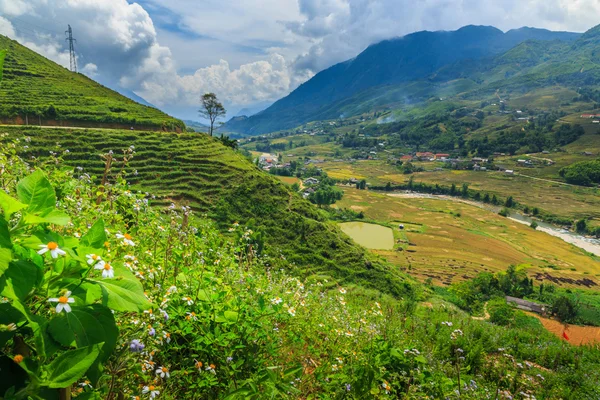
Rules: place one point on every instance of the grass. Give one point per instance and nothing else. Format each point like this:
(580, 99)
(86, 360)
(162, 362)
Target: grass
(438, 244)
(196, 170)
(33, 83)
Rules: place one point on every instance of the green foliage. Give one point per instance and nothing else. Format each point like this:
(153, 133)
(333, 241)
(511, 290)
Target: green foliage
(565, 309)
(585, 173)
(36, 87)
(2, 56)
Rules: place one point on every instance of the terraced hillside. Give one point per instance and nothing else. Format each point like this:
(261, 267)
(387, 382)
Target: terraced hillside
(36, 90)
(197, 170)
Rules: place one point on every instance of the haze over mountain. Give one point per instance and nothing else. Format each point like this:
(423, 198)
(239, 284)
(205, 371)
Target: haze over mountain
(390, 63)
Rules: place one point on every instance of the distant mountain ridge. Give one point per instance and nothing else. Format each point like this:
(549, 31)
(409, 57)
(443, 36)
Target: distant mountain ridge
(414, 57)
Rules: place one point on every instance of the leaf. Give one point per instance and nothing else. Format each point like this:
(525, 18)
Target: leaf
(4, 234)
(5, 259)
(44, 344)
(19, 279)
(202, 295)
(8, 315)
(55, 217)
(95, 237)
(10, 205)
(231, 316)
(86, 326)
(36, 191)
(124, 292)
(71, 366)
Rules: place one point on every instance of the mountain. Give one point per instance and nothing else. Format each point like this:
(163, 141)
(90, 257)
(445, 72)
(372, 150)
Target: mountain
(36, 90)
(195, 125)
(395, 62)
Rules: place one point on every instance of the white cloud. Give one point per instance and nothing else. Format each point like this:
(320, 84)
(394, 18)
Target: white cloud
(90, 70)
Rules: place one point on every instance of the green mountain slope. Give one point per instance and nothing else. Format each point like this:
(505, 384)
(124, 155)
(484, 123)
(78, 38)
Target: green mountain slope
(32, 84)
(197, 170)
(391, 66)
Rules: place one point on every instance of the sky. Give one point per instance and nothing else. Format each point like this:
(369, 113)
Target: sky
(250, 53)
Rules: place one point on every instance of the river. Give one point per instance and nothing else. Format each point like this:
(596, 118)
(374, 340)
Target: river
(590, 245)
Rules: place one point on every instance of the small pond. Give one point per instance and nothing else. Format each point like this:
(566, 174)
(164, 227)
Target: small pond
(371, 236)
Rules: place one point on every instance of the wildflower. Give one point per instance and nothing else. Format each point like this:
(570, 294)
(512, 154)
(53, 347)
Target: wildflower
(447, 323)
(348, 334)
(229, 359)
(292, 311)
(8, 328)
(52, 247)
(172, 289)
(378, 305)
(92, 258)
(107, 269)
(167, 337)
(152, 390)
(163, 372)
(63, 302)
(188, 300)
(136, 346)
(386, 387)
(165, 315)
(276, 300)
(348, 387)
(211, 369)
(18, 359)
(455, 335)
(127, 239)
(342, 291)
(151, 331)
(191, 316)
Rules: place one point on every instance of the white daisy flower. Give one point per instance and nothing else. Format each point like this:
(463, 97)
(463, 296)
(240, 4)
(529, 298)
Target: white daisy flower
(63, 302)
(188, 300)
(163, 372)
(127, 239)
(152, 390)
(92, 258)
(107, 269)
(52, 247)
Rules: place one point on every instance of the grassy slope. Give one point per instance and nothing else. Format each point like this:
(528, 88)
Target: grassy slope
(32, 83)
(197, 170)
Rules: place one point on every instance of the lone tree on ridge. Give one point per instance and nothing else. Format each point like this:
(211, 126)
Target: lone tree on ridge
(211, 109)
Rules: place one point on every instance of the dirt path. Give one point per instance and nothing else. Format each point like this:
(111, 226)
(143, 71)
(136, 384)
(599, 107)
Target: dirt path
(578, 335)
(486, 314)
(547, 180)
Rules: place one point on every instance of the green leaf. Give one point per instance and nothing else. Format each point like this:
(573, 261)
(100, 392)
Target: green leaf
(4, 234)
(8, 315)
(203, 295)
(5, 259)
(95, 237)
(55, 217)
(44, 344)
(71, 366)
(37, 192)
(124, 292)
(231, 316)
(10, 205)
(86, 326)
(19, 279)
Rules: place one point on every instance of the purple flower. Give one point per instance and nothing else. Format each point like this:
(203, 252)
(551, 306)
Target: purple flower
(152, 332)
(136, 346)
(229, 359)
(165, 315)
(348, 387)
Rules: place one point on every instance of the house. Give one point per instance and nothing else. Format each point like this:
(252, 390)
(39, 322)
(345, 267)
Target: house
(311, 181)
(425, 156)
(476, 167)
(406, 158)
(509, 172)
(526, 305)
(479, 160)
(587, 153)
(308, 192)
(441, 156)
(353, 180)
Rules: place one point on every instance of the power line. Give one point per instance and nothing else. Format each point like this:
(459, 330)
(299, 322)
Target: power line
(72, 49)
(22, 21)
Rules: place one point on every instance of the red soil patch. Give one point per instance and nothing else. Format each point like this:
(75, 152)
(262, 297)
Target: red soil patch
(578, 335)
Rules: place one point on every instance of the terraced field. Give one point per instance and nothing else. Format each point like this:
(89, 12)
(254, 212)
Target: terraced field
(450, 242)
(196, 170)
(36, 90)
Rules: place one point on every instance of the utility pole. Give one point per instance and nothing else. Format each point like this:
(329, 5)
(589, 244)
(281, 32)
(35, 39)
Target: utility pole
(71, 41)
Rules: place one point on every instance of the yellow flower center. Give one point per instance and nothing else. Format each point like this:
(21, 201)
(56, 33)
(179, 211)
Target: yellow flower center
(63, 299)
(94, 257)
(212, 366)
(199, 364)
(127, 236)
(164, 369)
(151, 387)
(18, 358)
(52, 246)
(107, 267)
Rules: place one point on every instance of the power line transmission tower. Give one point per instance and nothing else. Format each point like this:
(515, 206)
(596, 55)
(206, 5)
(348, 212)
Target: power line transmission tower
(72, 42)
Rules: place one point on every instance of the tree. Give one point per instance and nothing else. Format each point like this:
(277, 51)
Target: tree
(212, 110)
(2, 55)
(565, 309)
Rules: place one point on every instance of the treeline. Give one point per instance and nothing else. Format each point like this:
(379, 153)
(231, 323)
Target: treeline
(584, 173)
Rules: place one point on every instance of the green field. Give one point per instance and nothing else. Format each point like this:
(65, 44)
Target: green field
(36, 90)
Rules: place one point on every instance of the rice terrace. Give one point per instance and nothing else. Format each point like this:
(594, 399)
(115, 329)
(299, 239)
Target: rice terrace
(301, 199)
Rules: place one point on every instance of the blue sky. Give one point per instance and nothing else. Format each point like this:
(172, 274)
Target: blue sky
(249, 52)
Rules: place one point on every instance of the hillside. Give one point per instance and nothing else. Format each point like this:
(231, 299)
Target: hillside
(36, 90)
(397, 71)
(197, 170)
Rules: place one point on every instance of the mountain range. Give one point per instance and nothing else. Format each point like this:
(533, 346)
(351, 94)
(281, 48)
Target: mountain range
(474, 59)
